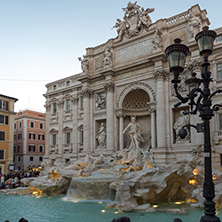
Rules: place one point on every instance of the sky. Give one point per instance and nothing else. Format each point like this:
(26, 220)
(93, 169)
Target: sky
(41, 40)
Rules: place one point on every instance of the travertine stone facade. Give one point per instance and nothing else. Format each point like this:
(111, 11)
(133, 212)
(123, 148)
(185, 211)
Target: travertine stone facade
(129, 76)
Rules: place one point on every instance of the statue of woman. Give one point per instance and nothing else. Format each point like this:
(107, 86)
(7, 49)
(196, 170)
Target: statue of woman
(134, 133)
(101, 136)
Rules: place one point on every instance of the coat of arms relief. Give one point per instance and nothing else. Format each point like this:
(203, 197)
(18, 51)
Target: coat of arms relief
(134, 21)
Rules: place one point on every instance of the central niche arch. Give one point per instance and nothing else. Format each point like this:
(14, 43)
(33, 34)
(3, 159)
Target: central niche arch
(136, 99)
(136, 103)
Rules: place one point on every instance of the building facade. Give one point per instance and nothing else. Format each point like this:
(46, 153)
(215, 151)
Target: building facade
(6, 132)
(29, 139)
(129, 76)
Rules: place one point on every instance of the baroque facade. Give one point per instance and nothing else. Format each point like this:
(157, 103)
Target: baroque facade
(129, 76)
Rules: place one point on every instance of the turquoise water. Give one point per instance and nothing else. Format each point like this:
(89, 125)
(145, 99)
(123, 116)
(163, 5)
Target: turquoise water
(55, 209)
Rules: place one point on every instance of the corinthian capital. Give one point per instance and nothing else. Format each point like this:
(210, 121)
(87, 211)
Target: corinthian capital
(87, 93)
(109, 87)
(47, 106)
(74, 100)
(161, 75)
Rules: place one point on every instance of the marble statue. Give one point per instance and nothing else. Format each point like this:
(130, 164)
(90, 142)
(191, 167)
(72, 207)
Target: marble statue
(84, 64)
(194, 26)
(121, 27)
(107, 60)
(101, 136)
(145, 18)
(157, 41)
(100, 101)
(180, 122)
(134, 133)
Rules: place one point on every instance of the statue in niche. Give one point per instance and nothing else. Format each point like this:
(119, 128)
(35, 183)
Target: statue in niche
(84, 64)
(194, 26)
(107, 60)
(101, 136)
(100, 101)
(180, 122)
(157, 42)
(134, 133)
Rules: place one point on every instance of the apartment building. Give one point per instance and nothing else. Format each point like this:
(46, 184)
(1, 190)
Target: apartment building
(29, 139)
(6, 132)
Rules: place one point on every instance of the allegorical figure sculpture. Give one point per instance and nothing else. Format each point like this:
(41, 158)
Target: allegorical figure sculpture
(101, 136)
(180, 122)
(84, 64)
(107, 60)
(134, 133)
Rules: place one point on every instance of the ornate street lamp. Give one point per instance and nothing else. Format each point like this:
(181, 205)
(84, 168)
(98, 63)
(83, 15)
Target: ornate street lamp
(200, 100)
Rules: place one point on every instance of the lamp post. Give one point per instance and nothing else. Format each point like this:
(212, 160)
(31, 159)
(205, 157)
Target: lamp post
(199, 100)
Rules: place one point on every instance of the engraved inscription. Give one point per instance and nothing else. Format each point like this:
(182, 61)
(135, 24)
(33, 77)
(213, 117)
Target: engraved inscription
(133, 51)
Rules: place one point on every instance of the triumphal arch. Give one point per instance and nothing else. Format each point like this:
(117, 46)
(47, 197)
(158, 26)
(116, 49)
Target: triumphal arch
(123, 99)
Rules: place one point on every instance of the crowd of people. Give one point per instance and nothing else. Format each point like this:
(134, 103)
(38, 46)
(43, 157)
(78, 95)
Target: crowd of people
(12, 180)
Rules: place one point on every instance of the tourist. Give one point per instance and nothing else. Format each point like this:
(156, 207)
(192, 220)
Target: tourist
(23, 220)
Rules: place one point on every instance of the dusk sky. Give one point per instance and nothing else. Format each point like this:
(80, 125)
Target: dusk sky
(41, 40)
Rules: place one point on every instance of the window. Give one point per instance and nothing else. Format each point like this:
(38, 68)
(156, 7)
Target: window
(19, 158)
(220, 121)
(54, 139)
(20, 124)
(4, 119)
(81, 135)
(68, 104)
(54, 108)
(14, 137)
(67, 160)
(67, 83)
(68, 138)
(19, 136)
(221, 159)
(81, 102)
(41, 148)
(54, 87)
(32, 136)
(41, 125)
(40, 158)
(2, 154)
(41, 137)
(14, 148)
(15, 126)
(2, 136)
(3, 104)
(19, 148)
(31, 158)
(31, 124)
(31, 148)
(219, 71)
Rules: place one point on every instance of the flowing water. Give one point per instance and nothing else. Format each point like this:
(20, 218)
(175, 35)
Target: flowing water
(57, 209)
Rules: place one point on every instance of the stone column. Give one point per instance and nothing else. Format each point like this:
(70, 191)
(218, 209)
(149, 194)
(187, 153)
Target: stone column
(121, 144)
(75, 125)
(86, 119)
(109, 87)
(60, 105)
(153, 127)
(167, 109)
(47, 137)
(160, 109)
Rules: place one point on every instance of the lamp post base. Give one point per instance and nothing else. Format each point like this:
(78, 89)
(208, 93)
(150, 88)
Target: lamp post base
(207, 218)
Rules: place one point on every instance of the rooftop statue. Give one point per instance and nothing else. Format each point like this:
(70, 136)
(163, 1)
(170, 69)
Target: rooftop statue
(135, 20)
